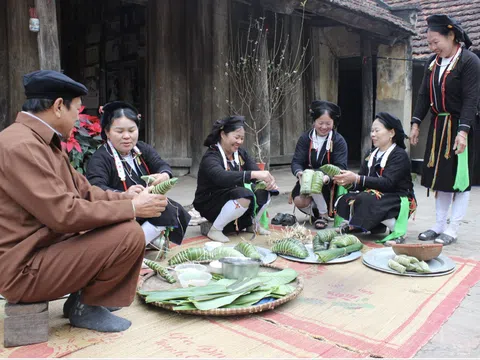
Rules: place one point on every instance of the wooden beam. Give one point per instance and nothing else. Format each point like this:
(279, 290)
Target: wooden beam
(357, 21)
(280, 6)
(5, 119)
(367, 93)
(22, 52)
(48, 44)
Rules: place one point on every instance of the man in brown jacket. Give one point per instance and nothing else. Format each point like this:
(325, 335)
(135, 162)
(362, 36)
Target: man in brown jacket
(58, 234)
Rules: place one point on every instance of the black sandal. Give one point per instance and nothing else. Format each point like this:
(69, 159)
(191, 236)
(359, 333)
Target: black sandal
(289, 220)
(445, 239)
(320, 223)
(428, 235)
(277, 220)
(399, 240)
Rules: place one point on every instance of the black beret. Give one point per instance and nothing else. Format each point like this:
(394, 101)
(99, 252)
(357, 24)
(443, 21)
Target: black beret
(394, 123)
(49, 84)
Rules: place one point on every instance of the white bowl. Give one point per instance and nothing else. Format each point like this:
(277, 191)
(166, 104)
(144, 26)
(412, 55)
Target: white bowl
(182, 268)
(215, 267)
(211, 245)
(194, 278)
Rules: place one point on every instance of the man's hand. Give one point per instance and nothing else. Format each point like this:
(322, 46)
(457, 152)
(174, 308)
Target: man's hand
(134, 190)
(149, 205)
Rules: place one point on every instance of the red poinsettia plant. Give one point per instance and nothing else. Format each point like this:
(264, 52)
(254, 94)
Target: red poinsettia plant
(83, 141)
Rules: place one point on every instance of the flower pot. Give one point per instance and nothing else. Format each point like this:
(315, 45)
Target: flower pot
(261, 166)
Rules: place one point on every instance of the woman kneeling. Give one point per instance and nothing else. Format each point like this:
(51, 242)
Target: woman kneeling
(226, 183)
(382, 192)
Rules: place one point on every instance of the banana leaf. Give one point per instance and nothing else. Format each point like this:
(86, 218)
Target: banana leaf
(182, 293)
(249, 299)
(277, 278)
(330, 254)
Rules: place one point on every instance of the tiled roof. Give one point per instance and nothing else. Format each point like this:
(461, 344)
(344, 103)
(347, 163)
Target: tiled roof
(464, 11)
(371, 9)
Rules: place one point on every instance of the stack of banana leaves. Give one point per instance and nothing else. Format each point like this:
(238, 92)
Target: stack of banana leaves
(404, 263)
(329, 245)
(227, 293)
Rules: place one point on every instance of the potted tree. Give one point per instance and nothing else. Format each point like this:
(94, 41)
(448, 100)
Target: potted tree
(264, 69)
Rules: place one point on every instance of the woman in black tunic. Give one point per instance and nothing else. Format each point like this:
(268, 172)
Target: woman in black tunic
(382, 192)
(226, 171)
(450, 90)
(119, 164)
(316, 147)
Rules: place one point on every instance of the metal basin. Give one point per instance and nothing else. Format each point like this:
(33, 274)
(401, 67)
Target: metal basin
(240, 268)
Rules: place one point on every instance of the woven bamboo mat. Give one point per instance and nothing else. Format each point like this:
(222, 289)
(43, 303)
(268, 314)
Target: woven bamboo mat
(345, 311)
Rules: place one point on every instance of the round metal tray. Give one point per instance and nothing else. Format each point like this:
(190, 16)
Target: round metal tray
(152, 282)
(378, 259)
(312, 258)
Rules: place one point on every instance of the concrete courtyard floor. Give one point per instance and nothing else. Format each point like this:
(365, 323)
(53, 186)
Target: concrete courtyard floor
(459, 337)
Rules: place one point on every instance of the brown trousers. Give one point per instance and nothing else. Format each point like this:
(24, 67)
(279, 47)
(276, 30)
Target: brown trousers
(104, 263)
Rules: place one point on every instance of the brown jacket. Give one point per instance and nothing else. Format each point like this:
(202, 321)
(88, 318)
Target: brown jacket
(43, 200)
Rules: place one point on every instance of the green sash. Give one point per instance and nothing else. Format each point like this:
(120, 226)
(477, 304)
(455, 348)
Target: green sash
(401, 223)
(338, 219)
(264, 217)
(462, 178)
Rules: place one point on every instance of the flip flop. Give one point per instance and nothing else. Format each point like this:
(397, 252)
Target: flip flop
(289, 220)
(277, 220)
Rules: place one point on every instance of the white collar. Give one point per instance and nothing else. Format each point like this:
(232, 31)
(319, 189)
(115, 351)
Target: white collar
(43, 122)
(317, 140)
(383, 162)
(224, 157)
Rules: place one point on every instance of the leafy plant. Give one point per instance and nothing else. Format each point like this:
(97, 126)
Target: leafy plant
(83, 141)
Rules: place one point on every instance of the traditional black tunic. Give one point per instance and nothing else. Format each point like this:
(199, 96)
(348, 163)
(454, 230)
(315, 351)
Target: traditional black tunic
(370, 208)
(305, 157)
(103, 173)
(216, 186)
(459, 98)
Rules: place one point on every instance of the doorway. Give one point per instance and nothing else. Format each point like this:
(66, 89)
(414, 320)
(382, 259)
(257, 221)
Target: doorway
(350, 101)
(103, 45)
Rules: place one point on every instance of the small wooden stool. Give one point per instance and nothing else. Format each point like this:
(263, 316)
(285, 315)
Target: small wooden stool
(25, 324)
(205, 228)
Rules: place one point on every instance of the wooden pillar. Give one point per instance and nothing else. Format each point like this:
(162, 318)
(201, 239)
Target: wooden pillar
(295, 112)
(207, 54)
(394, 84)
(367, 93)
(5, 118)
(168, 88)
(22, 52)
(48, 44)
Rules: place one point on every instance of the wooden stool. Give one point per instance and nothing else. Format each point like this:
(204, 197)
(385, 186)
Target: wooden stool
(25, 324)
(205, 228)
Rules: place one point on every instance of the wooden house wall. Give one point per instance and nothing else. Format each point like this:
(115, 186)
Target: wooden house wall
(18, 56)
